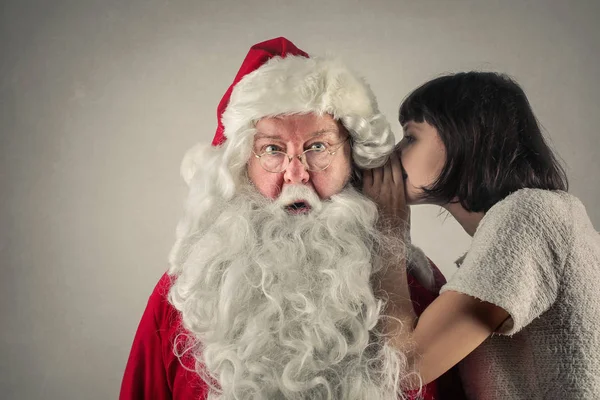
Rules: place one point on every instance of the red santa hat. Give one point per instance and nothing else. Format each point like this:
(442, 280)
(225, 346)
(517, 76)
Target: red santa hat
(258, 55)
(278, 78)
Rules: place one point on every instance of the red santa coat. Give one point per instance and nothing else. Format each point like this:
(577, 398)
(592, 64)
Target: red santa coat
(154, 372)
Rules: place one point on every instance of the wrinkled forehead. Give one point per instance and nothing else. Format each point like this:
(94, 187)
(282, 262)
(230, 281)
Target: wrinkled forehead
(300, 128)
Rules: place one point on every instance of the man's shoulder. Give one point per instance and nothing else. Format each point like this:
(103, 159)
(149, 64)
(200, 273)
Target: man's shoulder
(165, 315)
(423, 269)
(424, 293)
(161, 290)
(167, 321)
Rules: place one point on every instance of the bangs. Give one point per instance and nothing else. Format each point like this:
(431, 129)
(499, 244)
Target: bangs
(412, 109)
(424, 103)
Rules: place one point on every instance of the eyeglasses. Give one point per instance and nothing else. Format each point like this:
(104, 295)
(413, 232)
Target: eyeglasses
(313, 159)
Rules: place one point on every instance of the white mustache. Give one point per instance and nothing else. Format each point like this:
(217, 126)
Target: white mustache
(293, 193)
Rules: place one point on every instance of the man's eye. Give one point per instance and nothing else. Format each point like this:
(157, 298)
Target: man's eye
(271, 148)
(318, 146)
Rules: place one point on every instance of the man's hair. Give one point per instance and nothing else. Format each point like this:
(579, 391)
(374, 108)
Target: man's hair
(494, 144)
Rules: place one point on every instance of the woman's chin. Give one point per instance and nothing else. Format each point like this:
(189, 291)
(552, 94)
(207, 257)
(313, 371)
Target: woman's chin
(413, 199)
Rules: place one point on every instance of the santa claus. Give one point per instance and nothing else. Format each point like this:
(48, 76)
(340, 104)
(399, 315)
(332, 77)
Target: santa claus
(270, 293)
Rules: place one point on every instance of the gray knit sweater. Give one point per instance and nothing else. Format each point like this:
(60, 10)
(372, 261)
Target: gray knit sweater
(536, 255)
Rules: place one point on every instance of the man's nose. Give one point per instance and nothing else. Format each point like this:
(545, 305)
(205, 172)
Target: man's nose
(296, 172)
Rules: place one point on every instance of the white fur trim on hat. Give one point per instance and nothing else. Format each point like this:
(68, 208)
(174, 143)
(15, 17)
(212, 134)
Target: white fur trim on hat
(296, 84)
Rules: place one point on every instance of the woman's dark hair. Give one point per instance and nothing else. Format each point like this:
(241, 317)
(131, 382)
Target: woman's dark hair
(494, 145)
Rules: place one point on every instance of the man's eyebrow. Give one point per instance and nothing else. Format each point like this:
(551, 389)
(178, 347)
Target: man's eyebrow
(323, 132)
(260, 135)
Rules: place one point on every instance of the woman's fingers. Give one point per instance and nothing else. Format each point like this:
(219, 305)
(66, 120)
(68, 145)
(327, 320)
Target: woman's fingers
(396, 169)
(387, 177)
(385, 186)
(367, 178)
(377, 176)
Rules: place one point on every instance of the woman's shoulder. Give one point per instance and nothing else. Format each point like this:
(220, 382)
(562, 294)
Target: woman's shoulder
(538, 200)
(535, 207)
(529, 218)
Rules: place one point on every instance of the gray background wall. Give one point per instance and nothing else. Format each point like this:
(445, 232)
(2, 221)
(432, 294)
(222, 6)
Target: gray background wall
(100, 99)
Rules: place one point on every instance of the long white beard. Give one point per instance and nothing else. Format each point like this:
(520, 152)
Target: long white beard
(281, 306)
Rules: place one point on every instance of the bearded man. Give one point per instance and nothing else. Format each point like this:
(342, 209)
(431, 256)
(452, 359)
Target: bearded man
(270, 292)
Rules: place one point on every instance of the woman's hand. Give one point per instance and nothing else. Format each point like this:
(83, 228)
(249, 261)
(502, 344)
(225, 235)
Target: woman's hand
(385, 186)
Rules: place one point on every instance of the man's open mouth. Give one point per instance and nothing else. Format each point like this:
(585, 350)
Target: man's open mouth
(298, 207)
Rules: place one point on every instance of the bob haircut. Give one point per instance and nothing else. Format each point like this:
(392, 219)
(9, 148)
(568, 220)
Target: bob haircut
(494, 144)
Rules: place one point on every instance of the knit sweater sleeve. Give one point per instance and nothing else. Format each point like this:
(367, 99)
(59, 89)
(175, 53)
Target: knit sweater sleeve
(517, 256)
